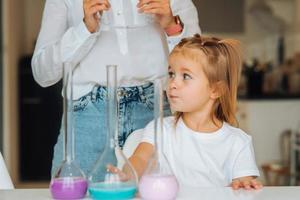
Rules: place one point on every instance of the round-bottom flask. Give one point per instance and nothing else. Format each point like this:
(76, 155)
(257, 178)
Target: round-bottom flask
(68, 181)
(105, 180)
(158, 186)
(158, 182)
(68, 186)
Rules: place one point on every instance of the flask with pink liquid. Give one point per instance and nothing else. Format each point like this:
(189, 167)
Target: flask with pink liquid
(68, 181)
(158, 182)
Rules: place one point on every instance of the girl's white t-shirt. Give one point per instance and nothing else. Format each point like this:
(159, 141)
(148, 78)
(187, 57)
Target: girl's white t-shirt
(204, 159)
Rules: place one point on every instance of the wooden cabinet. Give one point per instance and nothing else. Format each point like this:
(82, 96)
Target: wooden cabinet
(40, 112)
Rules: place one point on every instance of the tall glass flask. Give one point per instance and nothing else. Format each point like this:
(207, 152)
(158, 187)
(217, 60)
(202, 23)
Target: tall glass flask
(68, 181)
(105, 180)
(128, 33)
(158, 182)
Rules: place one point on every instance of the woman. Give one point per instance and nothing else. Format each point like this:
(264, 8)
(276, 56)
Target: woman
(73, 31)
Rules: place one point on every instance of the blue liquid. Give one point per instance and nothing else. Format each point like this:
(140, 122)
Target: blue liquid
(118, 191)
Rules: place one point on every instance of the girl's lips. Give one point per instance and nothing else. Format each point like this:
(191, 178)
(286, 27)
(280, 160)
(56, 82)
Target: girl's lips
(173, 96)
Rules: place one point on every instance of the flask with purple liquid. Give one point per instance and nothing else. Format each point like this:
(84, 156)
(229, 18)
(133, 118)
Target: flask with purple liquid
(158, 182)
(68, 181)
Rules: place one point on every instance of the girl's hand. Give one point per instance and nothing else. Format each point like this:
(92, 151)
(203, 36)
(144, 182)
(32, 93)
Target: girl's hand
(160, 8)
(122, 176)
(91, 9)
(246, 182)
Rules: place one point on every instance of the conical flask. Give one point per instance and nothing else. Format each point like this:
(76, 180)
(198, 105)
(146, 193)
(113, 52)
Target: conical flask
(158, 181)
(68, 181)
(105, 183)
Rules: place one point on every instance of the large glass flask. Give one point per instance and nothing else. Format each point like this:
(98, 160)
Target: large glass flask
(134, 41)
(124, 14)
(158, 181)
(105, 180)
(68, 181)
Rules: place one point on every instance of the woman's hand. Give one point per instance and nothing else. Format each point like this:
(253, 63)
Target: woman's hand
(160, 8)
(246, 182)
(91, 9)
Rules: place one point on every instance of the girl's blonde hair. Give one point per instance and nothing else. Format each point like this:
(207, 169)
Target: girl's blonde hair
(224, 60)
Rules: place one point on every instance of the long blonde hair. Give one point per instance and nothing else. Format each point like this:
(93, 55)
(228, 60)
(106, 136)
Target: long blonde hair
(224, 58)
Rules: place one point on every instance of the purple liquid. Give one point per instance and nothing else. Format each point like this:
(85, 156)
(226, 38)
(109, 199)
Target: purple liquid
(68, 188)
(158, 187)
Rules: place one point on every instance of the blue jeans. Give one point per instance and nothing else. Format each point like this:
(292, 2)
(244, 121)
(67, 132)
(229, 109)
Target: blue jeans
(136, 106)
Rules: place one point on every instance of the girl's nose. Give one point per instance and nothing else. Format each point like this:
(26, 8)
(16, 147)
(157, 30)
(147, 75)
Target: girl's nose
(172, 84)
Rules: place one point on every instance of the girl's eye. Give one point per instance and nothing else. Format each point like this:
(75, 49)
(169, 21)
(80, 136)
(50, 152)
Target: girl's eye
(171, 74)
(186, 76)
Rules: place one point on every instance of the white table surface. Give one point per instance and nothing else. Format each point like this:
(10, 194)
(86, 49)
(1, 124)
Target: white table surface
(267, 193)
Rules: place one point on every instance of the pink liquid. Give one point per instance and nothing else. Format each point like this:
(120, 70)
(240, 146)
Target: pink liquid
(158, 187)
(68, 188)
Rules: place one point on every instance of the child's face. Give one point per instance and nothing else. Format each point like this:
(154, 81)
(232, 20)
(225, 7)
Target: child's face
(188, 87)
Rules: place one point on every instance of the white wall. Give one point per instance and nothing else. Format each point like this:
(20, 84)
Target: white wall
(12, 49)
(21, 24)
(265, 121)
(262, 43)
(33, 11)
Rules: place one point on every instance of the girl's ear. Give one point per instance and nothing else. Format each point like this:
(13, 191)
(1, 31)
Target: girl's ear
(217, 90)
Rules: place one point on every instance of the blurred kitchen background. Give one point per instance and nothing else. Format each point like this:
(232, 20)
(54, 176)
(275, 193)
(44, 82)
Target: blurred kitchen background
(269, 93)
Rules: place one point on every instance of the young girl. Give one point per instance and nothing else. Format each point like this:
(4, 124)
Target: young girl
(201, 142)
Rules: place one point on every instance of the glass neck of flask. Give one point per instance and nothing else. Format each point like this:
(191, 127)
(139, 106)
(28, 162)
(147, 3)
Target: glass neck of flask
(112, 105)
(68, 113)
(158, 115)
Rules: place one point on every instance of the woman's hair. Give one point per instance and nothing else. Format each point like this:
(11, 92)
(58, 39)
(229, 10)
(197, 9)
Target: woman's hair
(222, 68)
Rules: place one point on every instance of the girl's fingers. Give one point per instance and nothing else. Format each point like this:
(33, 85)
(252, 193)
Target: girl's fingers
(111, 168)
(256, 184)
(235, 184)
(115, 170)
(246, 184)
